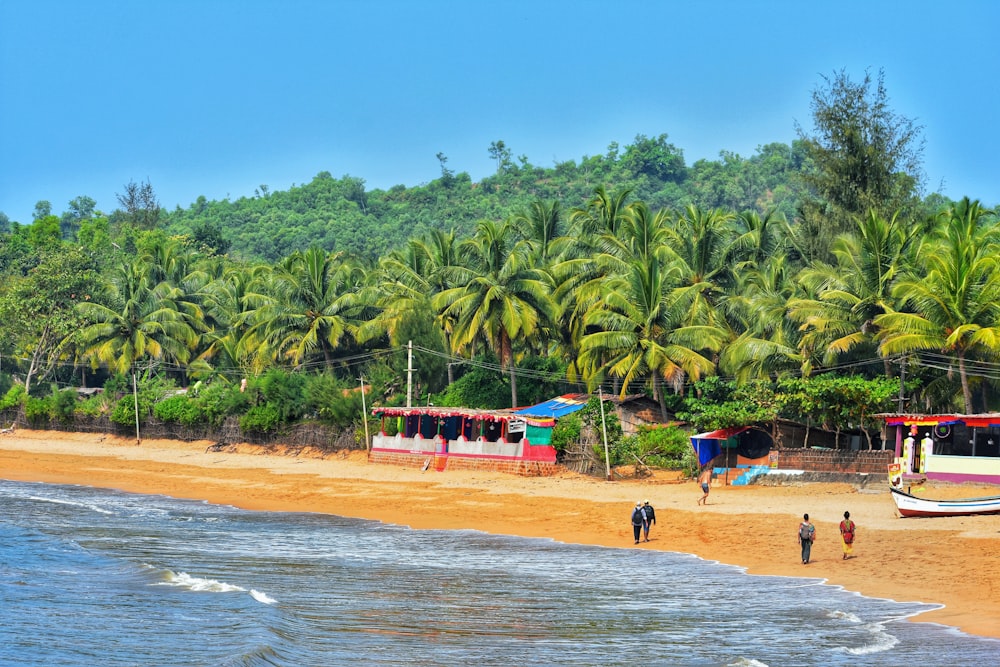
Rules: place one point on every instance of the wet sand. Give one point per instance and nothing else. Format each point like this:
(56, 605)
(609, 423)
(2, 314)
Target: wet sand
(953, 561)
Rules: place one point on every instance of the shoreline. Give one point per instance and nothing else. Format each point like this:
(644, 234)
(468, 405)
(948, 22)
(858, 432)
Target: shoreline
(942, 561)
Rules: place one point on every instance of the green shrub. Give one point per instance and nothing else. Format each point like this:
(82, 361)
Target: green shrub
(621, 451)
(689, 463)
(567, 432)
(151, 391)
(63, 404)
(663, 446)
(656, 446)
(260, 419)
(220, 400)
(117, 385)
(333, 401)
(124, 411)
(480, 387)
(94, 406)
(38, 411)
(569, 428)
(283, 392)
(178, 409)
(13, 398)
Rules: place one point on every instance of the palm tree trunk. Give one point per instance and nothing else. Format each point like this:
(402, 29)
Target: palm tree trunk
(507, 357)
(513, 386)
(966, 392)
(658, 393)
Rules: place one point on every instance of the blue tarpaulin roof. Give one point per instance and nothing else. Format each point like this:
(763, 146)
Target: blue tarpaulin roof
(555, 407)
(706, 445)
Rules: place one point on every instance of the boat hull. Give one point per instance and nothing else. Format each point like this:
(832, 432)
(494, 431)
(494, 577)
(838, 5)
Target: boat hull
(910, 505)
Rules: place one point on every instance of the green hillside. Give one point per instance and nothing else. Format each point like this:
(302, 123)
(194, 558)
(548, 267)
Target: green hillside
(340, 214)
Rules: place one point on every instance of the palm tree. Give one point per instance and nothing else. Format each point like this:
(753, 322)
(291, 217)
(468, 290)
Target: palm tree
(501, 298)
(602, 214)
(138, 320)
(307, 308)
(636, 234)
(955, 306)
(643, 234)
(700, 244)
(228, 300)
(541, 226)
(754, 303)
(168, 261)
(401, 288)
(407, 279)
(759, 239)
(638, 332)
(854, 291)
(594, 251)
(768, 341)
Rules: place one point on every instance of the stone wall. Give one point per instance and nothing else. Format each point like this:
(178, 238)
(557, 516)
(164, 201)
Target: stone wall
(509, 466)
(835, 460)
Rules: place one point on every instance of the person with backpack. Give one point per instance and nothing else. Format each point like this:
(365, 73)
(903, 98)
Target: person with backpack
(650, 519)
(638, 520)
(847, 530)
(807, 535)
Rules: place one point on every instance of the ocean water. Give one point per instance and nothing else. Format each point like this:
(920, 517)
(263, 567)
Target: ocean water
(96, 577)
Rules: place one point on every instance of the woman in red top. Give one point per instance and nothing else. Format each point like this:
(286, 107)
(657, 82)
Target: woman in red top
(847, 530)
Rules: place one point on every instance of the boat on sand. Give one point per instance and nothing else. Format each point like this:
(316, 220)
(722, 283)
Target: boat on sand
(911, 505)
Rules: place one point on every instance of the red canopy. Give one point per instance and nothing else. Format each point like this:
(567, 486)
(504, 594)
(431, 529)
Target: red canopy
(720, 434)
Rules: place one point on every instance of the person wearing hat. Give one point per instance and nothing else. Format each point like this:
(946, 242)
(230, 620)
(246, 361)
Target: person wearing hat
(638, 520)
(650, 518)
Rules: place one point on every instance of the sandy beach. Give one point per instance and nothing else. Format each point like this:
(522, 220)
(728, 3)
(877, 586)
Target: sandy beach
(948, 561)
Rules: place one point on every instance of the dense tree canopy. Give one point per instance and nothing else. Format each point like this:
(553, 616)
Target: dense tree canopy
(628, 270)
(863, 156)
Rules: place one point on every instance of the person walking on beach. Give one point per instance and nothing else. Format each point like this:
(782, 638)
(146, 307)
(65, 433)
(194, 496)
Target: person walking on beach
(807, 535)
(650, 518)
(847, 530)
(704, 478)
(638, 520)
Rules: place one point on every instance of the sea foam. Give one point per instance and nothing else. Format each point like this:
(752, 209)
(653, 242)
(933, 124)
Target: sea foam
(57, 501)
(185, 580)
(263, 598)
(880, 641)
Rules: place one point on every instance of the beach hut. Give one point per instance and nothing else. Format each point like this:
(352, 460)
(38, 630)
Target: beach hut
(744, 446)
(505, 440)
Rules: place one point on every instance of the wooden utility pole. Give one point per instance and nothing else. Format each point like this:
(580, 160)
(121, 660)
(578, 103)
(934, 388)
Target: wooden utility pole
(604, 429)
(135, 400)
(409, 374)
(364, 413)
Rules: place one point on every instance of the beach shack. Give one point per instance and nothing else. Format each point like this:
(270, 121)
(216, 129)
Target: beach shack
(745, 447)
(516, 441)
(951, 448)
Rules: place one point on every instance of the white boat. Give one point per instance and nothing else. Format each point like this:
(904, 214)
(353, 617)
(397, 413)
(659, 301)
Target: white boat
(910, 505)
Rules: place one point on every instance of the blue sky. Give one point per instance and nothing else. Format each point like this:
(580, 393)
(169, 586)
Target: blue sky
(215, 98)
